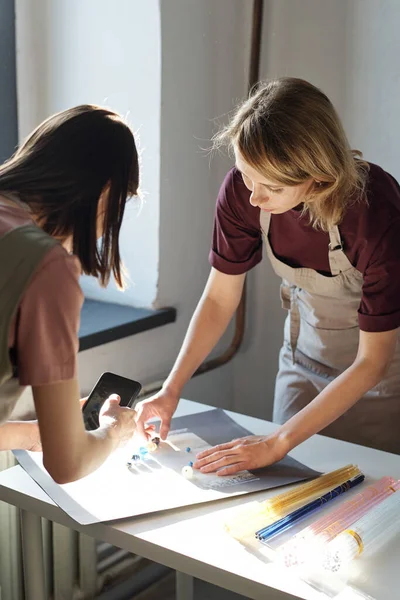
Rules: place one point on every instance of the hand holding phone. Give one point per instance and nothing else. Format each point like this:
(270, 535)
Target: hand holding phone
(121, 419)
(109, 384)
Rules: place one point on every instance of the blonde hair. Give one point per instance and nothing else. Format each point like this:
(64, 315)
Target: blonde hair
(289, 131)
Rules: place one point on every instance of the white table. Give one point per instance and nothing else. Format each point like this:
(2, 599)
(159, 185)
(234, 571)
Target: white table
(191, 540)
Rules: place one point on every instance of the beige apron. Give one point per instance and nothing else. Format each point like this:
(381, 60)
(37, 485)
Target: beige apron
(321, 339)
(21, 250)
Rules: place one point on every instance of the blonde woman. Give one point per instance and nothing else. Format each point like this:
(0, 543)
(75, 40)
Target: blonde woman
(331, 226)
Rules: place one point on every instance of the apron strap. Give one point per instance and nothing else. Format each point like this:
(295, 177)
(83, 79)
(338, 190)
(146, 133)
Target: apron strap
(294, 316)
(265, 220)
(338, 261)
(291, 303)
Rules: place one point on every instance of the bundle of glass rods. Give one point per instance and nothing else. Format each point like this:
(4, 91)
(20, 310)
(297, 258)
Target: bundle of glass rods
(255, 515)
(369, 533)
(307, 545)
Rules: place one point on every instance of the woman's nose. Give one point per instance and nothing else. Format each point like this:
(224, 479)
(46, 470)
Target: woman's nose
(256, 198)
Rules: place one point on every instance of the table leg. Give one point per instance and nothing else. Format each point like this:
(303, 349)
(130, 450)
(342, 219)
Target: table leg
(184, 586)
(32, 552)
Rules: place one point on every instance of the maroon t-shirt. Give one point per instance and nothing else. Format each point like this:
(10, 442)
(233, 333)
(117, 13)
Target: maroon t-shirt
(370, 232)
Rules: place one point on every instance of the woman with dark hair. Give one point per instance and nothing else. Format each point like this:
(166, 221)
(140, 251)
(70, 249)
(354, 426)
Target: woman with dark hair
(330, 223)
(65, 187)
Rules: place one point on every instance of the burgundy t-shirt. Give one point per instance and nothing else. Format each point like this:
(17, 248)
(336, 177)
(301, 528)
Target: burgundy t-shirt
(370, 232)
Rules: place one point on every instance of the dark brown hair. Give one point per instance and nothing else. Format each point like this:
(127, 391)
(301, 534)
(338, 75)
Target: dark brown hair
(289, 131)
(61, 170)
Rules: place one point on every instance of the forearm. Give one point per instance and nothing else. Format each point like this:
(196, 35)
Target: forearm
(207, 326)
(18, 435)
(96, 447)
(87, 455)
(340, 395)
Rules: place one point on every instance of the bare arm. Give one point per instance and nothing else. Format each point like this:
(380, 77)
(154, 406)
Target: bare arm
(375, 354)
(214, 311)
(22, 435)
(216, 307)
(69, 451)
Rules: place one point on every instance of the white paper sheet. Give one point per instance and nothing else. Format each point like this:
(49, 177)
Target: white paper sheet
(155, 483)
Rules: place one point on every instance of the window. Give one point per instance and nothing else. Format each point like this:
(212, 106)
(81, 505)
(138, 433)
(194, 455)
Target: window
(78, 52)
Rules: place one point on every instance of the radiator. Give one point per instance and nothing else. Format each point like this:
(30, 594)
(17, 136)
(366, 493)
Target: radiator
(10, 545)
(77, 567)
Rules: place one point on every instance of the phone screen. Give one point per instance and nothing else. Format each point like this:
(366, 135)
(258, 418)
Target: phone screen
(109, 383)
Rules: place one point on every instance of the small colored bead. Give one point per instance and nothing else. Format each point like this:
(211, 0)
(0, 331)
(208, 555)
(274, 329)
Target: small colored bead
(190, 463)
(129, 464)
(188, 449)
(187, 472)
(156, 440)
(151, 446)
(135, 457)
(143, 450)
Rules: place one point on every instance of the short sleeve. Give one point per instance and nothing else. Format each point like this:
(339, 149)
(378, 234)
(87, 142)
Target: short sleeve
(237, 241)
(380, 303)
(48, 321)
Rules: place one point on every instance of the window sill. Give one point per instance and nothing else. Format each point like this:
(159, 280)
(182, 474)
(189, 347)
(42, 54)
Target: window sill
(103, 322)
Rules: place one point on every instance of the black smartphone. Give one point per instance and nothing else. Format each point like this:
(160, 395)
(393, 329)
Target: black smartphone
(108, 383)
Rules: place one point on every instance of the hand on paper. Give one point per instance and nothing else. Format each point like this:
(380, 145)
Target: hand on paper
(120, 418)
(161, 406)
(247, 453)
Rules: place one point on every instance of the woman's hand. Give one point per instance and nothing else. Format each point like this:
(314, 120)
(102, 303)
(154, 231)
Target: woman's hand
(121, 419)
(247, 453)
(161, 406)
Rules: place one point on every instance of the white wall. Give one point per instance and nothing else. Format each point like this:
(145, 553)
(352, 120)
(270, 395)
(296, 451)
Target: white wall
(371, 114)
(72, 52)
(307, 39)
(205, 47)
